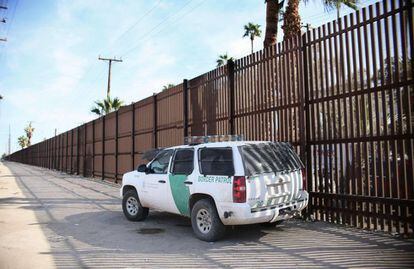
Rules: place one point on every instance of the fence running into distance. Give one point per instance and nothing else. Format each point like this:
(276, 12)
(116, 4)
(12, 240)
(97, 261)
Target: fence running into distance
(341, 93)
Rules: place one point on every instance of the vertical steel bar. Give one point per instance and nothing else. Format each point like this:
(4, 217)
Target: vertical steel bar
(116, 144)
(154, 122)
(185, 107)
(103, 149)
(231, 98)
(133, 137)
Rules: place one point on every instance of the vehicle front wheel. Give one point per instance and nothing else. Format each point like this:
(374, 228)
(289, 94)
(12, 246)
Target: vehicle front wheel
(206, 222)
(132, 207)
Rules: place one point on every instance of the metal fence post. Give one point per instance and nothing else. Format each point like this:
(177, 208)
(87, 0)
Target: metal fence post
(230, 76)
(116, 146)
(93, 148)
(77, 150)
(185, 108)
(66, 151)
(103, 149)
(155, 122)
(133, 137)
(71, 151)
(305, 122)
(84, 149)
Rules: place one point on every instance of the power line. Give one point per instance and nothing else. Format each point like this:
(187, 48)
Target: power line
(154, 28)
(90, 68)
(10, 23)
(132, 26)
(169, 25)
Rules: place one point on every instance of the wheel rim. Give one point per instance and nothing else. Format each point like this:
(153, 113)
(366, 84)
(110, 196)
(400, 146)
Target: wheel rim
(203, 221)
(132, 206)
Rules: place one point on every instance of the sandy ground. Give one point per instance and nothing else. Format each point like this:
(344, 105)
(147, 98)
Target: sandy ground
(51, 219)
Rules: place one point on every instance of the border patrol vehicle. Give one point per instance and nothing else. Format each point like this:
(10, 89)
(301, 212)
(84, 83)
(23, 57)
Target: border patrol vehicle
(218, 184)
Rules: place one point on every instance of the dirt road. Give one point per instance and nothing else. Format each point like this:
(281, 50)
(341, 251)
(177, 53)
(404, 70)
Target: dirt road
(50, 219)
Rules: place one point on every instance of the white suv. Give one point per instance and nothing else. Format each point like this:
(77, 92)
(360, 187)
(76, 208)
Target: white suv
(219, 184)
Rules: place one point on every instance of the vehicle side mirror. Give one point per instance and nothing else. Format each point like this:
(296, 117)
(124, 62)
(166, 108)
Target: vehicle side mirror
(142, 168)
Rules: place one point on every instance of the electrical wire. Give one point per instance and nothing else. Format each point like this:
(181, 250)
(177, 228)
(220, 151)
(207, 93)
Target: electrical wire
(154, 28)
(132, 26)
(4, 45)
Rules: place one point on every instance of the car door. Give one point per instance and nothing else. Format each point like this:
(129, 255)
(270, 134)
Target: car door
(182, 168)
(156, 187)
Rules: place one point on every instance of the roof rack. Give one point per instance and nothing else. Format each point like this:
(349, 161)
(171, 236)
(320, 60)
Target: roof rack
(194, 140)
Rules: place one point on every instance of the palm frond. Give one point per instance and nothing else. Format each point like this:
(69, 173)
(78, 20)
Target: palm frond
(97, 111)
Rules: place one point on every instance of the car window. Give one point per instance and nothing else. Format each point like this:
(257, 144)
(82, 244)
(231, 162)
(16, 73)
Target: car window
(160, 164)
(183, 163)
(269, 157)
(216, 161)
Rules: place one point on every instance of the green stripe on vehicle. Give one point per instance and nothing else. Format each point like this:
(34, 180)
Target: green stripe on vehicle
(180, 193)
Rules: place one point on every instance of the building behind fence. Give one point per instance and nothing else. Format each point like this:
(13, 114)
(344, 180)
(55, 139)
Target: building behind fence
(342, 94)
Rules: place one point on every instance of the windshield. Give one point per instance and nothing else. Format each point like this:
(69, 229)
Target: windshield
(268, 157)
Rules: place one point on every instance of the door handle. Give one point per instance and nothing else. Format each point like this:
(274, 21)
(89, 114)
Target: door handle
(188, 183)
(161, 181)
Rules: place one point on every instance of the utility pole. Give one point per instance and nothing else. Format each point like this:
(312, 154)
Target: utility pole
(110, 60)
(3, 21)
(55, 131)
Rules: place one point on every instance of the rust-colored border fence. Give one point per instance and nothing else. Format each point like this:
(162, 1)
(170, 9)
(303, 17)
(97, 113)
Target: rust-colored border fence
(341, 93)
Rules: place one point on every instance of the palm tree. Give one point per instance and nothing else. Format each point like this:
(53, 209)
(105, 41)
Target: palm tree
(330, 4)
(23, 142)
(273, 8)
(29, 133)
(106, 106)
(223, 59)
(291, 20)
(166, 87)
(292, 25)
(252, 30)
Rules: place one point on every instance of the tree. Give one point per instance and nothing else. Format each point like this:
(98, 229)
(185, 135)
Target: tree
(273, 8)
(336, 4)
(223, 59)
(291, 20)
(252, 30)
(106, 106)
(29, 133)
(23, 141)
(3, 157)
(168, 86)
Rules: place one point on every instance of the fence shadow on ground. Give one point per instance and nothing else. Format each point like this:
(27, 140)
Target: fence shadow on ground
(86, 228)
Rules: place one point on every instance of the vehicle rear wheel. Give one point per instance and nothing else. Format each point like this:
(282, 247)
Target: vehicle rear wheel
(272, 224)
(206, 222)
(132, 207)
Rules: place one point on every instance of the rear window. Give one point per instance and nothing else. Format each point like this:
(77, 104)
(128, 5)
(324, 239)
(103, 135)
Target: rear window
(183, 162)
(269, 157)
(216, 161)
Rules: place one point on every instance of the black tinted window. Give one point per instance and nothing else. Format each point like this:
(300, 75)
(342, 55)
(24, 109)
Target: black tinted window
(160, 164)
(216, 161)
(183, 162)
(269, 157)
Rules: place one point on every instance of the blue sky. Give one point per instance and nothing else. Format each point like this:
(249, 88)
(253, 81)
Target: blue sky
(49, 68)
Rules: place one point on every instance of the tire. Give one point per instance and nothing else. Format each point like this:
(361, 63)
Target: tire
(272, 224)
(206, 222)
(132, 207)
